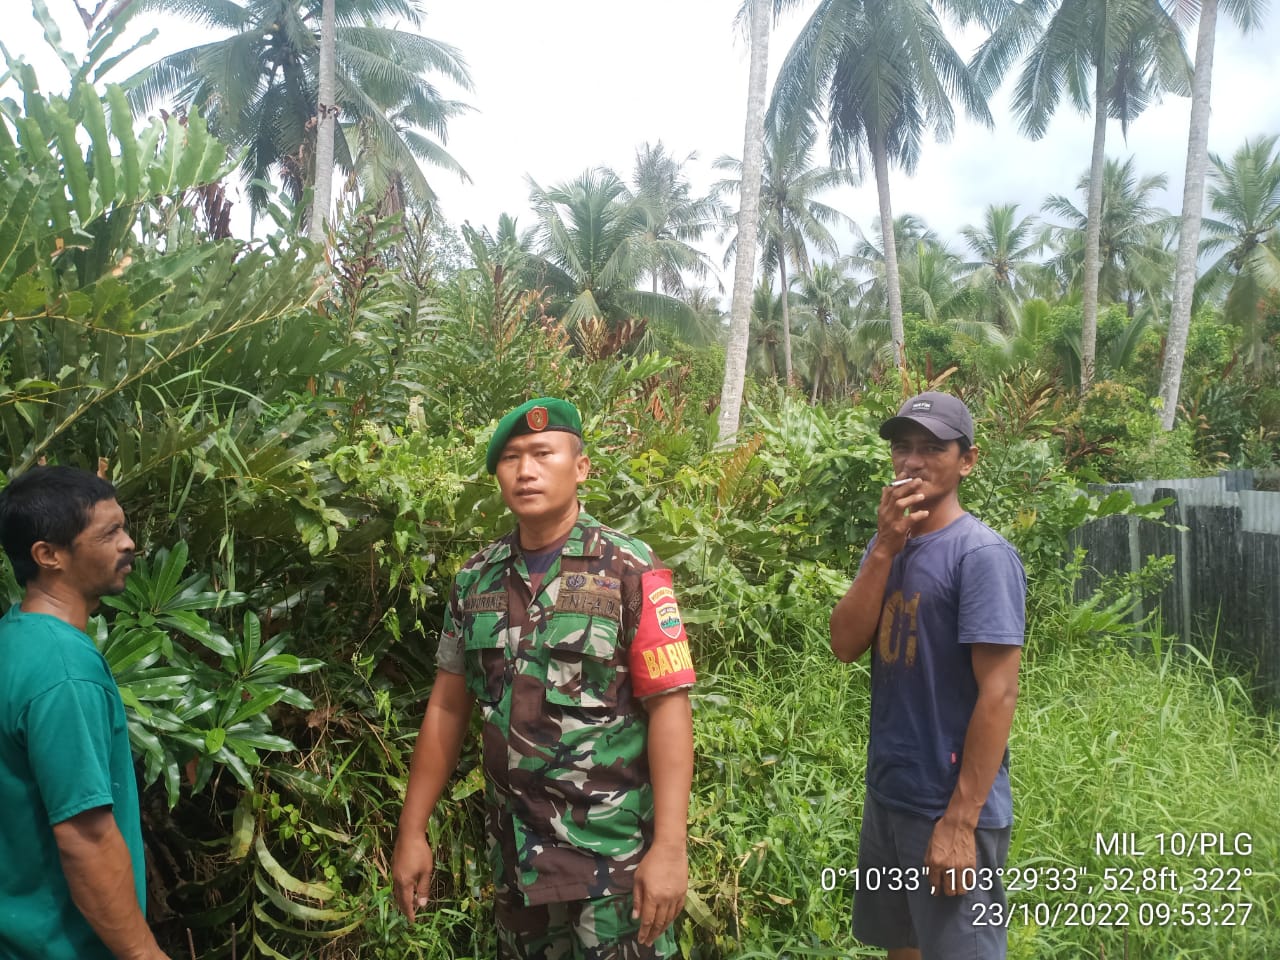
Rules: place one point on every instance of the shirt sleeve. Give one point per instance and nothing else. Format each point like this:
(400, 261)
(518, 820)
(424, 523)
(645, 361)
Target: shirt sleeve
(660, 659)
(69, 747)
(993, 596)
(450, 653)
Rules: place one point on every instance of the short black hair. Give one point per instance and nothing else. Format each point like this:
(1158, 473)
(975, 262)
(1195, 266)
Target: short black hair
(53, 504)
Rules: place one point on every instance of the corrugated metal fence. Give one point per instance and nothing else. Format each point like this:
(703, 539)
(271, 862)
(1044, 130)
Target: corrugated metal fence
(1226, 580)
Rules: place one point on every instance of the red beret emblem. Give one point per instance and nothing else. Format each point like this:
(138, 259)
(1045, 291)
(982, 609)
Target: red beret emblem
(537, 418)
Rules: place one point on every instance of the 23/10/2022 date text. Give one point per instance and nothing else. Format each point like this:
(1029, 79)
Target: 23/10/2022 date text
(1089, 914)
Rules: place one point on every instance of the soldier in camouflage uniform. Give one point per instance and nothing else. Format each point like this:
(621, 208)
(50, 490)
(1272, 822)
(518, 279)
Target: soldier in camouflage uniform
(568, 634)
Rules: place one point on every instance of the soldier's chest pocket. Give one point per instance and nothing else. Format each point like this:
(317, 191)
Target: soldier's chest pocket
(488, 666)
(582, 662)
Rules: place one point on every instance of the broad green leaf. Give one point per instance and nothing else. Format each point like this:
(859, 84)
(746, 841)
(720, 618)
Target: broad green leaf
(15, 228)
(197, 628)
(122, 130)
(261, 946)
(243, 827)
(254, 740)
(256, 703)
(314, 891)
(95, 121)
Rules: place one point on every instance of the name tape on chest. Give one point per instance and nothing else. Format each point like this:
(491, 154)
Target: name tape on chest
(485, 603)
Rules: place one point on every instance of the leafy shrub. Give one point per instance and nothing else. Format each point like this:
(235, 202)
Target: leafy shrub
(1115, 434)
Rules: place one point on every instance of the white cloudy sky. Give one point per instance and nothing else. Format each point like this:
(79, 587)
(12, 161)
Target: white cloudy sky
(568, 84)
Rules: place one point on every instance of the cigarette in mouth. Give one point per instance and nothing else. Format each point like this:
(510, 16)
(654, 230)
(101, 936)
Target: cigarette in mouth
(898, 483)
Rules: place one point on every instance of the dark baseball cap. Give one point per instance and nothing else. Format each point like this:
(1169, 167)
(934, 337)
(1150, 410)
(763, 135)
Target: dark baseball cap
(943, 415)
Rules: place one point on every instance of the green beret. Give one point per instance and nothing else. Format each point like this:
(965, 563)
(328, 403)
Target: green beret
(533, 416)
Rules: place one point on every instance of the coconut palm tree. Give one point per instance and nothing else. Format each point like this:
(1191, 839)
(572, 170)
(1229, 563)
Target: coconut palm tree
(707, 325)
(869, 257)
(257, 85)
(1018, 341)
(933, 285)
(327, 119)
(791, 218)
(1133, 237)
(757, 14)
(1004, 246)
(1131, 49)
(880, 73)
(1244, 195)
(827, 297)
(672, 217)
(590, 237)
(1247, 15)
(764, 358)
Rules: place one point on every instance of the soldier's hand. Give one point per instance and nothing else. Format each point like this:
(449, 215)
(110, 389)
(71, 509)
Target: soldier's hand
(411, 867)
(662, 880)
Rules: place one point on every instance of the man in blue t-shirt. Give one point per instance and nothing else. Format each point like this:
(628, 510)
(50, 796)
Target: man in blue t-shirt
(70, 838)
(939, 600)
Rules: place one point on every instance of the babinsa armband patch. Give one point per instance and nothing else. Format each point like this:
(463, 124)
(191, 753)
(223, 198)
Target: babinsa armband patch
(660, 658)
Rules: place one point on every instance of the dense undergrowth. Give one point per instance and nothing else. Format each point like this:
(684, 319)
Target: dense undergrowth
(300, 452)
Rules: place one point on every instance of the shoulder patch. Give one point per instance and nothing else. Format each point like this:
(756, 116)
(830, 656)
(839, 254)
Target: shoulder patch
(660, 659)
(663, 601)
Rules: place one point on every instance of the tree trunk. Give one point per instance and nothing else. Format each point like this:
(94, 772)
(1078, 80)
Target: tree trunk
(786, 317)
(322, 192)
(1192, 209)
(1093, 230)
(892, 282)
(735, 361)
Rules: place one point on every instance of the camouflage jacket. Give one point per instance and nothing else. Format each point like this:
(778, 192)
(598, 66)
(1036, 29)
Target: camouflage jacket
(559, 677)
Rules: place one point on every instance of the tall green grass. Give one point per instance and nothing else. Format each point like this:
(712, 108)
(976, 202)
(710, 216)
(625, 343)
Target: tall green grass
(1106, 740)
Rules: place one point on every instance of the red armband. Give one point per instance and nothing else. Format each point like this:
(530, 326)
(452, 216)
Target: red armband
(660, 659)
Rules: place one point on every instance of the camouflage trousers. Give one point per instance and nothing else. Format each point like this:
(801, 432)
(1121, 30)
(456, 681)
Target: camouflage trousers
(600, 929)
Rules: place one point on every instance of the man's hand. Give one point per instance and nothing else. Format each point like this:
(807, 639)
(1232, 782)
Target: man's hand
(435, 755)
(950, 853)
(893, 523)
(856, 617)
(411, 867)
(662, 880)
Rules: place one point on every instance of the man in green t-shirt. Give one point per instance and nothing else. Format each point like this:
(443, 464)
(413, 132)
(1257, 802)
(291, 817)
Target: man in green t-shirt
(70, 838)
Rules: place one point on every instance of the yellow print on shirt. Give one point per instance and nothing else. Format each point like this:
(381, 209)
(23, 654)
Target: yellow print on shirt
(898, 628)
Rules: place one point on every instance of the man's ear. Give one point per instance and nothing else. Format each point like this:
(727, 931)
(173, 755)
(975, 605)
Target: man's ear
(47, 556)
(968, 460)
(584, 467)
